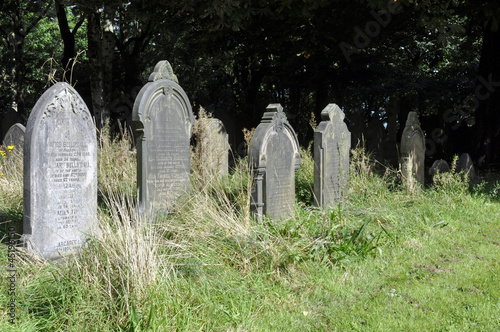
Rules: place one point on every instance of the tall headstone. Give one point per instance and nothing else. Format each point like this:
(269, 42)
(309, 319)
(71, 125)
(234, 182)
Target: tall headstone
(163, 120)
(60, 174)
(213, 147)
(413, 149)
(332, 142)
(466, 166)
(274, 156)
(15, 137)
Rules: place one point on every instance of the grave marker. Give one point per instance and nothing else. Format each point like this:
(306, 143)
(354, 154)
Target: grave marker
(213, 147)
(274, 156)
(413, 149)
(332, 142)
(15, 137)
(465, 165)
(60, 174)
(164, 120)
(440, 166)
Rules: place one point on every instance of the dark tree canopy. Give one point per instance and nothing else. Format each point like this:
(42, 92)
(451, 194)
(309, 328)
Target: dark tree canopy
(377, 59)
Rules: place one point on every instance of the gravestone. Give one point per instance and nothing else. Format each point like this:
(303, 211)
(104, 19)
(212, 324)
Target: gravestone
(413, 149)
(15, 137)
(440, 166)
(466, 166)
(213, 147)
(332, 142)
(163, 123)
(60, 174)
(274, 156)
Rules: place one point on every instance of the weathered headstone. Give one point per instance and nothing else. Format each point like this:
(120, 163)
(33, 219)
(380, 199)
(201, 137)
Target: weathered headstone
(60, 174)
(440, 166)
(466, 166)
(413, 149)
(274, 156)
(163, 118)
(213, 147)
(15, 138)
(332, 142)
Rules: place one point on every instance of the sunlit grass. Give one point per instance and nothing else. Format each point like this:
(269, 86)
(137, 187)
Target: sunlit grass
(384, 259)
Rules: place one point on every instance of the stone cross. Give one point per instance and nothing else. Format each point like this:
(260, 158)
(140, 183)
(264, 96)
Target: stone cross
(332, 142)
(60, 174)
(413, 149)
(163, 120)
(274, 156)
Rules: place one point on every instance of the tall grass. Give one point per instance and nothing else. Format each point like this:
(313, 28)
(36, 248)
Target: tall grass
(362, 264)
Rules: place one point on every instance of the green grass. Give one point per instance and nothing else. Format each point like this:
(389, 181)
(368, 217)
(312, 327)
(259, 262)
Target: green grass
(385, 259)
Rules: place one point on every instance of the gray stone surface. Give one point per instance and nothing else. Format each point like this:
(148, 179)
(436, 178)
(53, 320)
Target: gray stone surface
(214, 147)
(413, 149)
(274, 156)
(466, 166)
(440, 166)
(163, 122)
(15, 137)
(332, 142)
(60, 174)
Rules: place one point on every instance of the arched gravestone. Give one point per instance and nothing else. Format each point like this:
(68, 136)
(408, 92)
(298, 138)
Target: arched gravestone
(163, 118)
(332, 142)
(60, 174)
(214, 147)
(274, 156)
(439, 166)
(413, 149)
(15, 137)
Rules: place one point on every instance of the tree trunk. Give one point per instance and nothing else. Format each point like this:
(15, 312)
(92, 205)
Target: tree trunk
(96, 69)
(488, 95)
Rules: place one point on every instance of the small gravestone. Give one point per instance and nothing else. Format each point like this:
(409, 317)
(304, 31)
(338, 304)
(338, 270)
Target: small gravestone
(60, 174)
(413, 149)
(213, 147)
(466, 166)
(15, 136)
(332, 142)
(14, 140)
(440, 166)
(163, 120)
(274, 156)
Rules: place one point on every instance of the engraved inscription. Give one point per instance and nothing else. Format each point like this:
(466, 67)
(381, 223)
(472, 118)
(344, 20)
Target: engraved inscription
(168, 158)
(280, 177)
